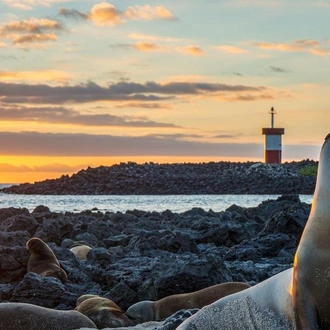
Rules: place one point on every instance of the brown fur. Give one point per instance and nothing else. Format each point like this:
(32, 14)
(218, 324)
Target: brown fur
(102, 311)
(43, 260)
(21, 316)
(144, 311)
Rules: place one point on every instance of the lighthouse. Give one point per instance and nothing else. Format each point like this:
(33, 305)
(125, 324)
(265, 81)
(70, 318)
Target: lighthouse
(273, 141)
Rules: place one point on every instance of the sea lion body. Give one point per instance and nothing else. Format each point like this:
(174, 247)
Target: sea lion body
(299, 296)
(22, 316)
(102, 311)
(43, 260)
(80, 251)
(144, 311)
(311, 284)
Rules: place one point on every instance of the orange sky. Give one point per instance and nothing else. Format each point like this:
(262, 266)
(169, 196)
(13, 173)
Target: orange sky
(18, 173)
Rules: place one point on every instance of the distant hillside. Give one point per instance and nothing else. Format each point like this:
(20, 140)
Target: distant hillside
(181, 178)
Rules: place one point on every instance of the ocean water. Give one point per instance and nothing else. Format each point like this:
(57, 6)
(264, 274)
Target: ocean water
(114, 203)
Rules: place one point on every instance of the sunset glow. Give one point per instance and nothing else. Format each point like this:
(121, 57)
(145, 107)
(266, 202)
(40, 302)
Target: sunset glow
(89, 83)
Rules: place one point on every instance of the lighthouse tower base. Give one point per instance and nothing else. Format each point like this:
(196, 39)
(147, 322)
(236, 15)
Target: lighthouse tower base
(273, 145)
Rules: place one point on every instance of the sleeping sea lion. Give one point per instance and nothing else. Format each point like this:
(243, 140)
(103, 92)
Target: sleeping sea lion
(43, 260)
(22, 316)
(102, 311)
(144, 311)
(297, 298)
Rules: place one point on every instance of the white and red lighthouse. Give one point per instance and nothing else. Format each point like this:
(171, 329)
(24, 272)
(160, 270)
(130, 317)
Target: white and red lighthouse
(273, 142)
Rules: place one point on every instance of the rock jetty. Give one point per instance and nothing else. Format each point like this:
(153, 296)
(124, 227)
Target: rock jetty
(139, 255)
(184, 178)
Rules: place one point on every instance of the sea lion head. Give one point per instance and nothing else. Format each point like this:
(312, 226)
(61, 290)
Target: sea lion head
(142, 311)
(43, 261)
(321, 198)
(103, 312)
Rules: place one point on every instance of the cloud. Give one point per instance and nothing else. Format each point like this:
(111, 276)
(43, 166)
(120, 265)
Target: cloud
(31, 31)
(12, 168)
(29, 4)
(245, 97)
(120, 91)
(226, 136)
(105, 14)
(123, 46)
(54, 167)
(324, 3)
(73, 13)
(64, 144)
(9, 57)
(278, 69)
(33, 25)
(149, 46)
(320, 52)
(147, 12)
(190, 50)
(143, 37)
(146, 46)
(32, 38)
(42, 75)
(301, 45)
(231, 49)
(263, 3)
(139, 36)
(60, 115)
(143, 105)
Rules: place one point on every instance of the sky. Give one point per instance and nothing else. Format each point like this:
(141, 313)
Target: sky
(90, 83)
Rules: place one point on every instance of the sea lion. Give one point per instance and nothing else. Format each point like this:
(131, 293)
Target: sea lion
(144, 311)
(300, 296)
(22, 316)
(80, 251)
(102, 311)
(43, 260)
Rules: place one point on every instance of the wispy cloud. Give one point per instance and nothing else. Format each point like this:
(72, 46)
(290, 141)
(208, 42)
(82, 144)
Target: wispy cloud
(54, 167)
(120, 91)
(32, 25)
(143, 105)
(190, 50)
(60, 115)
(147, 12)
(31, 31)
(301, 45)
(30, 4)
(262, 3)
(73, 13)
(107, 14)
(278, 69)
(148, 46)
(231, 49)
(245, 97)
(41, 75)
(63, 144)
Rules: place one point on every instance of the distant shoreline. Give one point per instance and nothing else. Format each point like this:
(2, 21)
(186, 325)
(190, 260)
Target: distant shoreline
(180, 179)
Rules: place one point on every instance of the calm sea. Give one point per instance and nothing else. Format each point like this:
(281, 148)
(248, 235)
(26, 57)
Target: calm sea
(114, 203)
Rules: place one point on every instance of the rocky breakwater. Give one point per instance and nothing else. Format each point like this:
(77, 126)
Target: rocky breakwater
(140, 255)
(187, 178)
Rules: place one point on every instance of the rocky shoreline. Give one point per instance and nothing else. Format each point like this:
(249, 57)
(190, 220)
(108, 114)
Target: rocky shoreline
(140, 255)
(183, 178)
